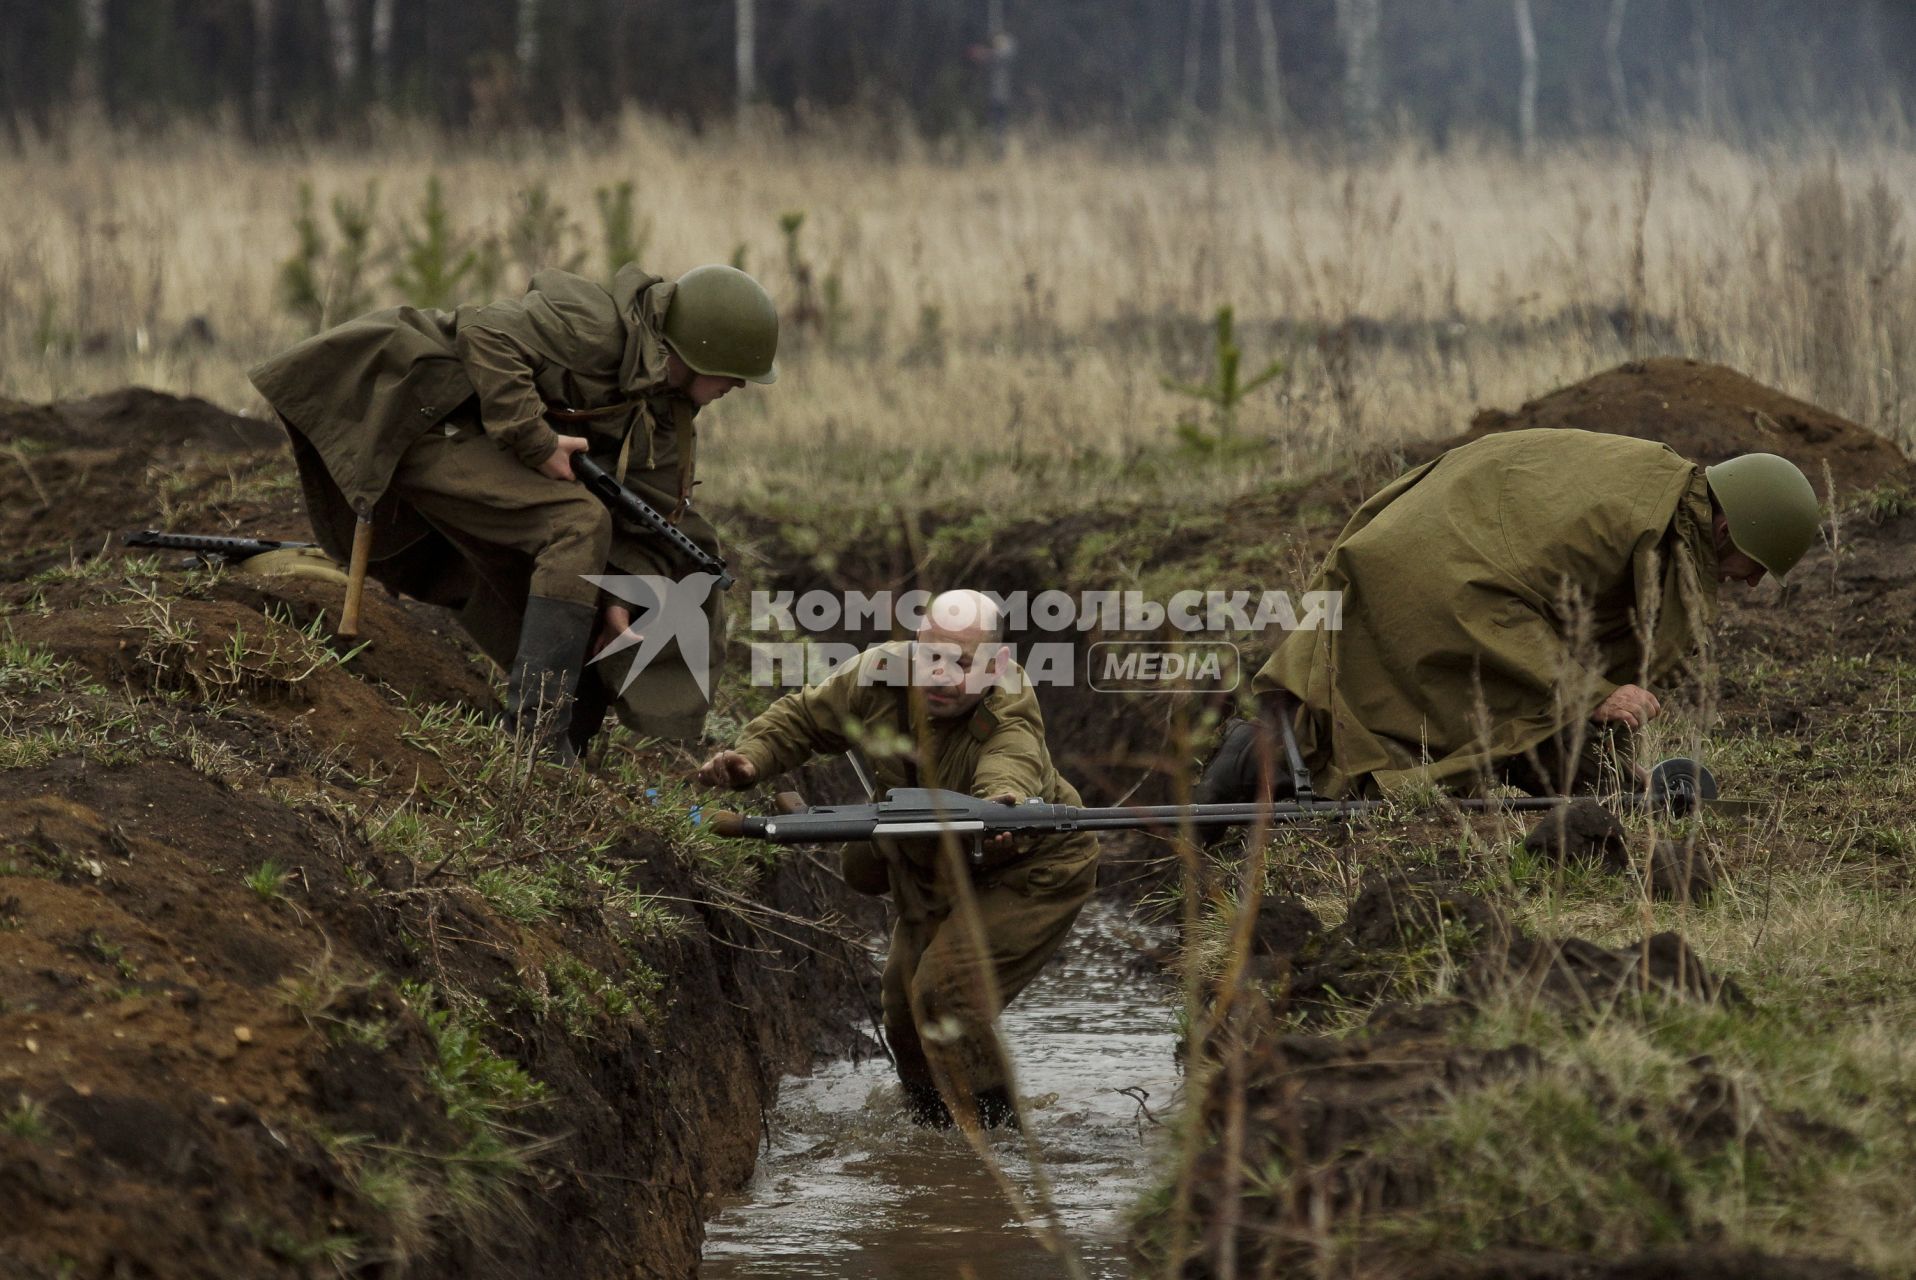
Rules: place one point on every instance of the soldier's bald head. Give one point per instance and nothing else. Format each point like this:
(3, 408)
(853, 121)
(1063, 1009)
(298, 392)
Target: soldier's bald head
(960, 653)
(963, 616)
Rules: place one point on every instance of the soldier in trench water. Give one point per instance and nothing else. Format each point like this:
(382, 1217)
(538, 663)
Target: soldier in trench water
(950, 709)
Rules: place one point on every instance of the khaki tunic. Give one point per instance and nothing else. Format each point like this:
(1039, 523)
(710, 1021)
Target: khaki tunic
(934, 976)
(432, 423)
(1492, 599)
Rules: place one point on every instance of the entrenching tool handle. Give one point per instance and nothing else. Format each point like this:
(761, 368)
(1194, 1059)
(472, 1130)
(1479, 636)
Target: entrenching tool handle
(356, 579)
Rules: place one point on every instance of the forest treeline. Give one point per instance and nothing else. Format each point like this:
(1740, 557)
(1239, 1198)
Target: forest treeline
(1526, 69)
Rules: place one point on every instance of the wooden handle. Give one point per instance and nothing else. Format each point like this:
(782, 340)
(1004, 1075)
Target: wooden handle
(356, 579)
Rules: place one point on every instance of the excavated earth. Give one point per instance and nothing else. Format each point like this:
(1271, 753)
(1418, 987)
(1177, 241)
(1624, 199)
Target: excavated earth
(242, 1031)
(214, 1072)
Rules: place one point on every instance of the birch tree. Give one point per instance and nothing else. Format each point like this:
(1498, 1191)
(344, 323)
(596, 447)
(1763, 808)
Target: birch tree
(1700, 61)
(382, 48)
(89, 73)
(344, 44)
(1270, 77)
(1527, 88)
(1227, 90)
(264, 13)
(1193, 56)
(525, 47)
(1358, 25)
(745, 53)
(1613, 64)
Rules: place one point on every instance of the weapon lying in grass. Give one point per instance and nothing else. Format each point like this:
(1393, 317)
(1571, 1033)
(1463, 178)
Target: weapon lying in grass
(210, 547)
(633, 509)
(1677, 787)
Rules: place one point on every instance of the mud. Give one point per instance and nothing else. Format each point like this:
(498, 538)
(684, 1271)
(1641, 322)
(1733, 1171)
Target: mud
(1401, 926)
(215, 1067)
(849, 1189)
(205, 1067)
(1585, 830)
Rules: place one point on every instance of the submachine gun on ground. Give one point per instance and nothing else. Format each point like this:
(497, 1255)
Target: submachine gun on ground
(210, 547)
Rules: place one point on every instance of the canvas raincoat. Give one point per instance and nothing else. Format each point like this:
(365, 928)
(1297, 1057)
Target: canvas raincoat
(355, 397)
(1493, 597)
(569, 353)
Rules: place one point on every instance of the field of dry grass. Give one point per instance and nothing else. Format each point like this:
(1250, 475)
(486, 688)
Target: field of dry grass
(1005, 329)
(1008, 324)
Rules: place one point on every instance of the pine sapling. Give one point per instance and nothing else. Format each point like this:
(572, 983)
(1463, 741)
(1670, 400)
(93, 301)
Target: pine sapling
(539, 231)
(1225, 391)
(346, 293)
(435, 260)
(624, 234)
(299, 290)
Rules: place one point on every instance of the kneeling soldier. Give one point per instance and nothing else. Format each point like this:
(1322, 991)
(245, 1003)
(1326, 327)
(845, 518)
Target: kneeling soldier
(453, 433)
(966, 719)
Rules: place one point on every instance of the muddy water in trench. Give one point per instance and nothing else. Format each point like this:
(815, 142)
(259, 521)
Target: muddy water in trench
(850, 1189)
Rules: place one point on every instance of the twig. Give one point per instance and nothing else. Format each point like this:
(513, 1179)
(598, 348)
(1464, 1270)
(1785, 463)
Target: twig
(19, 455)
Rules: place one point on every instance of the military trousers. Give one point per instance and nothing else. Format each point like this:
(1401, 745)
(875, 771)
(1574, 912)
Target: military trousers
(941, 992)
(527, 534)
(1586, 759)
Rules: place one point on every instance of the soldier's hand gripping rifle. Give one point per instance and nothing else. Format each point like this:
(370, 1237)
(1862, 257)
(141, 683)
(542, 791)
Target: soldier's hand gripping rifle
(631, 508)
(1676, 786)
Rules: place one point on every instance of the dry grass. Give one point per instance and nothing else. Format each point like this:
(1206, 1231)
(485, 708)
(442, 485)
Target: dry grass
(1022, 314)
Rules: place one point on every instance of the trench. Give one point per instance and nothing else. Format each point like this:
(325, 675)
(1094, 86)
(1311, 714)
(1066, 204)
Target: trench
(846, 1186)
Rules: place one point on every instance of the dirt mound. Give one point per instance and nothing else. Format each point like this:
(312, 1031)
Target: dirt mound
(206, 1061)
(75, 475)
(1332, 1120)
(1403, 928)
(1585, 830)
(1698, 1263)
(224, 653)
(1707, 413)
(134, 416)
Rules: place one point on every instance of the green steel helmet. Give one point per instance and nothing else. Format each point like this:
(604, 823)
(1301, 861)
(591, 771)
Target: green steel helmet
(722, 322)
(1770, 506)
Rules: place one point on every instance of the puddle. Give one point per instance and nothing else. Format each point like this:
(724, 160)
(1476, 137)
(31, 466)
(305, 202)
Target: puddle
(850, 1189)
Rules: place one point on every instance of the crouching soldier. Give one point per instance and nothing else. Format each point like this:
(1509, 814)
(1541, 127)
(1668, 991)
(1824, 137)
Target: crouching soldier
(948, 709)
(452, 433)
(1510, 604)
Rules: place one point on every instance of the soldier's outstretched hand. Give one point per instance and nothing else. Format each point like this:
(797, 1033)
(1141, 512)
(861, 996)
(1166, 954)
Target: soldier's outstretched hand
(728, 769)
(1630, 705)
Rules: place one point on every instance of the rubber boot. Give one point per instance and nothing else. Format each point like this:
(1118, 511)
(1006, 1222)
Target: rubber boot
(545, 673)
(995, 1109)
(589, 706)
(926, 1109)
